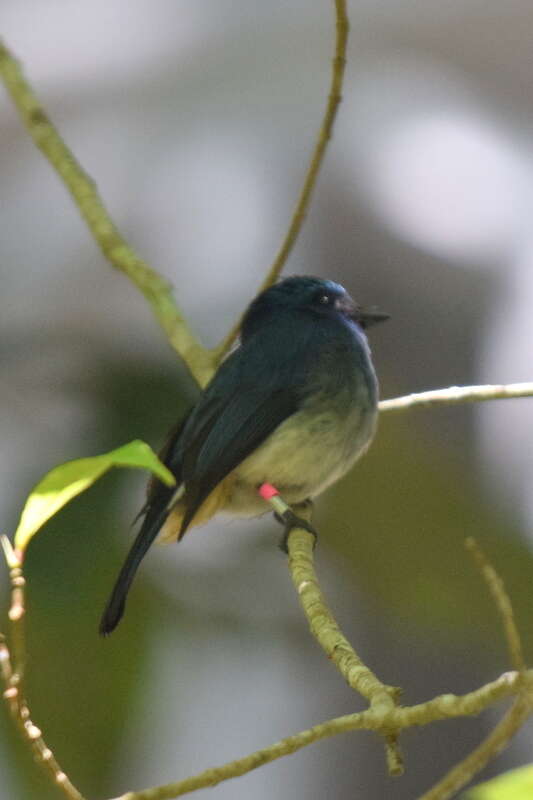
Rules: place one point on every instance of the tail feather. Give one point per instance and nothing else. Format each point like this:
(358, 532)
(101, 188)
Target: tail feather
(114, 609)
(181, 515)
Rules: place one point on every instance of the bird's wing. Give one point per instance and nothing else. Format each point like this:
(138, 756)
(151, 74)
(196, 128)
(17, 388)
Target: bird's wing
(254, 391)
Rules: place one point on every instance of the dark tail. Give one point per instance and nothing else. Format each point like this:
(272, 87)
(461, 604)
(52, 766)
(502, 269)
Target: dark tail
(152, 524)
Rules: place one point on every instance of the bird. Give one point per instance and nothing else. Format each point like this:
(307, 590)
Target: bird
(294, 405)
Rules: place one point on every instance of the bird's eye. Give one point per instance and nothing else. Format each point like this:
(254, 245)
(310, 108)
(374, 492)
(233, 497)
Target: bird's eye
(323, 299)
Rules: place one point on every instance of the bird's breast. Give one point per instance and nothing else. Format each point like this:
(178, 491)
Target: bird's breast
(311, 449)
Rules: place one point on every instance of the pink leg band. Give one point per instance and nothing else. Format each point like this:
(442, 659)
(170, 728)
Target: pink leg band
(267, 491)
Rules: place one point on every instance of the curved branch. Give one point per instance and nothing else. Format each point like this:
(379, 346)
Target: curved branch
(324, 135)
(321, 621)
(325, 629)
(502, 601)
(338, 649)
(234, 769)
(328, 634)
(114, 247)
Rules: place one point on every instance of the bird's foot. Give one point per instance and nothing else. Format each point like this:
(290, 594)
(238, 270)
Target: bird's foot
(286, 516)
(291, 520)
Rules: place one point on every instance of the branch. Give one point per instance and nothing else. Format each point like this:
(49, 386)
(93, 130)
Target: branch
(325, 629)
(317, 158)
(328, 634)
(495, 742)
(114, 247)
(373, 719)
(383, 716)
(458, 394)
(337, 648)
(502, 602)
(153, 286)
(12, 674)
(502, 734)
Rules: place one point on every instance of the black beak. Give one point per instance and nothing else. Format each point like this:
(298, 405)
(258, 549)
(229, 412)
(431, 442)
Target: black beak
(370, 316)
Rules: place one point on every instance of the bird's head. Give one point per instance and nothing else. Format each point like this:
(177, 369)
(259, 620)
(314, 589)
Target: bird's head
(316, 295)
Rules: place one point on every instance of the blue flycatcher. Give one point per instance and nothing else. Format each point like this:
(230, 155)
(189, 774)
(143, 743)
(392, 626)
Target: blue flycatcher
(294, 406)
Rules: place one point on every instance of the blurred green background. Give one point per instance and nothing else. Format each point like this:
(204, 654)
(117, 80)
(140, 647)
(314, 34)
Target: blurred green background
(197, 122)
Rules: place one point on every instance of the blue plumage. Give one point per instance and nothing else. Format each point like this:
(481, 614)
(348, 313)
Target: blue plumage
(295, 404)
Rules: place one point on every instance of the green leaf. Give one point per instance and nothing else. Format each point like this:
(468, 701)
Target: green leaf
(63, 483)
(514, 785)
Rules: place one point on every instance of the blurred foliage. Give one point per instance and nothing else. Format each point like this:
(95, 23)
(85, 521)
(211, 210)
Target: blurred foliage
(399, 521)
(514, 785)
(81, 687)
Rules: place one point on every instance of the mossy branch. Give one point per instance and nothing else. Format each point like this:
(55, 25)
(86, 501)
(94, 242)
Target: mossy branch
(325, 629)
(338, 649)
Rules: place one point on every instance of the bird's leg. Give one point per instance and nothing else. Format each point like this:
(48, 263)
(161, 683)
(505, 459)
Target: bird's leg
(286, 515)
(290, 519)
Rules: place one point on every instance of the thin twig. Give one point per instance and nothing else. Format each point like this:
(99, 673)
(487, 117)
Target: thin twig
(451, 706)
(324, 135)
(11, 671)
(82, 188)
(234, 769)
(495, 742)
(502, 601)
(457, 394)
(394, 755)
